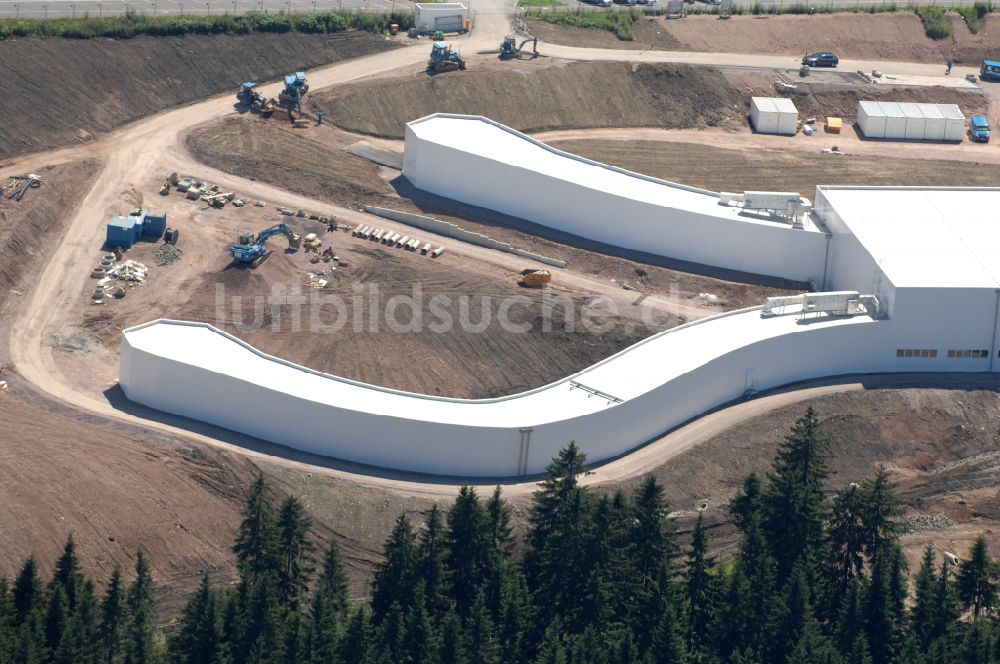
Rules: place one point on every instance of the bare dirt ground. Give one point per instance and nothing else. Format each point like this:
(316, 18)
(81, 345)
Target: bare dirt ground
(887, 36)
(538, 95)
(102, 84)
(721, 169)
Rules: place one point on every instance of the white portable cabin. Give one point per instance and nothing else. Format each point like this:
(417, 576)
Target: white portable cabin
(774, 115)
(915, 121)
(443, 16)
(871, 119)
(934, 122)
(895, 120)
(954, 122)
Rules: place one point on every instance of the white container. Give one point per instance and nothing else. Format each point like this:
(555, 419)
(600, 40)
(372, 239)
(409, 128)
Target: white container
(773, 115)
(895, 120)
(915, 121)
(954, 119)
(934, 122)
(871, 119)
(444, 16)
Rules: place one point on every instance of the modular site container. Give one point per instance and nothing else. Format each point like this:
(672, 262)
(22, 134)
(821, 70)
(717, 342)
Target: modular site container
(122, 232)
(774, 115)
(443, 16)
(887, 119)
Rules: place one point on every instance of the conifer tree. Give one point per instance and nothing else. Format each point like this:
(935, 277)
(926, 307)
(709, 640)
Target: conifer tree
(882, 510)
(27, 591)
(668, 640)
(700, 591)
(794, 510)
(922, 616)
(294, 551)
(432, 556)
(469, 545)
(453, 642)
(977, 579)
(395, 577)
(197, 640)
(114, 618)
(355, 646)
(139, 647)
(67, 573)
(255, 546)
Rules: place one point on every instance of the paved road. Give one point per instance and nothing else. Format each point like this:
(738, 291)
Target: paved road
(136, 156)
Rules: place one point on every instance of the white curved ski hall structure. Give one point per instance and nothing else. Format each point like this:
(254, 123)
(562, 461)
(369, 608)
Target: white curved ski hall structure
(910, 280)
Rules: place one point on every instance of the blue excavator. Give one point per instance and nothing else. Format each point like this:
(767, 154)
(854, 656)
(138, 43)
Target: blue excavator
(251, 250)
(296, 87)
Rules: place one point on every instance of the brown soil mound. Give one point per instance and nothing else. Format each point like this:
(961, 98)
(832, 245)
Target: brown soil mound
(101, 84)
(540, 98)
(260, 150)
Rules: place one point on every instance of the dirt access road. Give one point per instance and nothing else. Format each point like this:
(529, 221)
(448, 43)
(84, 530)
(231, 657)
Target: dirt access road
(134, 155)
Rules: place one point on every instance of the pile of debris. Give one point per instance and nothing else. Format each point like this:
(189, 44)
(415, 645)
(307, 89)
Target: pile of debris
(19, 184)
(317, 280)
(917, 522)
(212, 194)
(329, 222)
(167, 254)
(112, 280)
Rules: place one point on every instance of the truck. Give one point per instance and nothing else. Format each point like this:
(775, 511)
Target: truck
(989, 71)
(979, 129)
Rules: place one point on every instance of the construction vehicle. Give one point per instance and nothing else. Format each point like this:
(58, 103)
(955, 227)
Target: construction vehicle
(248, 96)
(251, 250)
(532, 278)
(509, 49)
(296, 88)
(444, 58)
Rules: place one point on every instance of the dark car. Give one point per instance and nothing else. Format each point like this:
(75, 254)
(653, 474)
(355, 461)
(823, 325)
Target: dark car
(821, 60)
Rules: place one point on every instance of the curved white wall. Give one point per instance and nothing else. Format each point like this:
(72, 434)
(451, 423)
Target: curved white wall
(480, 162)
(197, 371)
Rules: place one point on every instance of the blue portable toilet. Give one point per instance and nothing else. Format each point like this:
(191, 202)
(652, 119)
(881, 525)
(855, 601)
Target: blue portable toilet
(155, 224)
(121, 232)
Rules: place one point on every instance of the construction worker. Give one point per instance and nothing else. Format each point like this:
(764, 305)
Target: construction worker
(948, 71)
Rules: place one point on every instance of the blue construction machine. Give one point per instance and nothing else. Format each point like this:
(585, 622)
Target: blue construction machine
(248, 96)
(444, 58)
(296, 88)
(250, 249)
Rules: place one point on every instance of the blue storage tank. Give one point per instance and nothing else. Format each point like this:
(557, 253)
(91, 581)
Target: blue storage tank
(121, 232)
(154, 225)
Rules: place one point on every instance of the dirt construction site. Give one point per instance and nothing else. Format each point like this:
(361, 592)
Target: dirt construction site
(82, 459)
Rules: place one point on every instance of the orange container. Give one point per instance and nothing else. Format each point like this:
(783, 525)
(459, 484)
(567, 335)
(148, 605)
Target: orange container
(834, 125)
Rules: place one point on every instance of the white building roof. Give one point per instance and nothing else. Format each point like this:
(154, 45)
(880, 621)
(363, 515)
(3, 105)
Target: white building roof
(491, 140)
(926, 237)
(626, 375)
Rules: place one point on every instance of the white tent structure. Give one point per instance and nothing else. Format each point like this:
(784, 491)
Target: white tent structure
(443, 16)
(923, 122)
(774, 115)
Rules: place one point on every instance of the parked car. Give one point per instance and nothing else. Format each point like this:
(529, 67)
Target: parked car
(979, 129)
(821, 59)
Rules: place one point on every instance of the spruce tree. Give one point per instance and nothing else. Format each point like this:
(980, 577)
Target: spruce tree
(355, 646)
(977, 579)
(80, 643)
(114, 618)
(884, 605)
(421, 639)
(482, 641)
(469, 544)
(668, 639)
(67, 573)
(651, 544)
(922, 616)
(700, 590)
(794, 510)
(255, 546)
(139, 648)
(846, 542)
(432, 555)
(197, 640)
(453, 642)
(27, 592)
(294, 551)
(946, 611)
(882, 511)
(395, 577)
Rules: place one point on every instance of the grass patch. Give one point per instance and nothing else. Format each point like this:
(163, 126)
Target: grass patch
(972, 15)
(132, 25)
(620, 23)
(935, 25)
(540, 3)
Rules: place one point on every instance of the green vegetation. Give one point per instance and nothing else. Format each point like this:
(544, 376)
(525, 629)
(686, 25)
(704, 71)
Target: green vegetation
(935, 24)
(540, 3)
(972, 15)
(620, 22)
(596, 578)
(133, 25)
